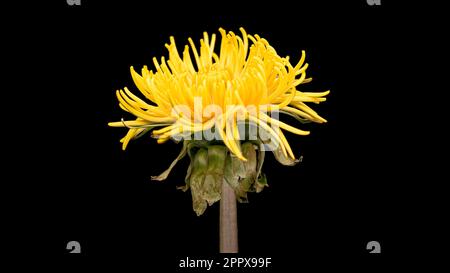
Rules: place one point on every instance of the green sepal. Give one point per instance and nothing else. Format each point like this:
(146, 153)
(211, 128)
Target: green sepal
(192, 148)
(166, 173)
(241, 175)
(217, 155)
(197, 179)
(205, 175)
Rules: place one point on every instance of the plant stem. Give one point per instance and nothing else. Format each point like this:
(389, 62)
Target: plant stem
(228, 220)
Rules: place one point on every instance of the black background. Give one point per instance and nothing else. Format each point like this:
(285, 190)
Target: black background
(352, 187)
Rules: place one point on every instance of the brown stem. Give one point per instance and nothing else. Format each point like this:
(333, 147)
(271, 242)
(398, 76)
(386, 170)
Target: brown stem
(228, 220)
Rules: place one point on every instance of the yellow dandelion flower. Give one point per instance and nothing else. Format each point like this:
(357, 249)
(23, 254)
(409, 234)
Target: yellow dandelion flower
(245, 80)
(246, 71)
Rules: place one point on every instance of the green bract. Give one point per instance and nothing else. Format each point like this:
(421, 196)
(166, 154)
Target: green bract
(212, 164)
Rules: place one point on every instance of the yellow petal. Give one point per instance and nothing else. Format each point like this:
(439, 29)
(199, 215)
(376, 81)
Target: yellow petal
(283, 125)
